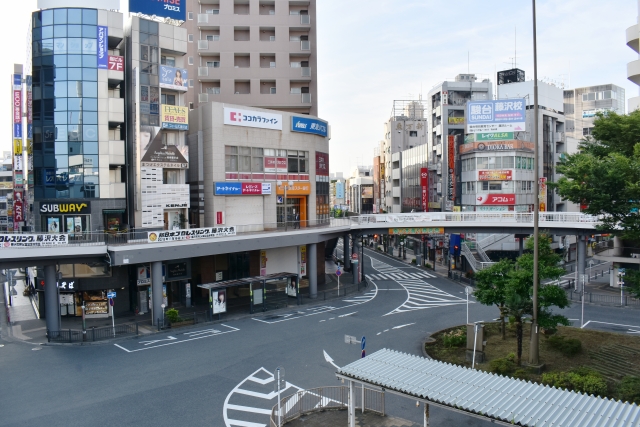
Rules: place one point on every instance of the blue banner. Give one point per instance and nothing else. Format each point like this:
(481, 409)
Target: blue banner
(308, 125)
(227, 188)
(174, 9)
(17, 79)
(17, 130)
(339, 190)
(103, 47)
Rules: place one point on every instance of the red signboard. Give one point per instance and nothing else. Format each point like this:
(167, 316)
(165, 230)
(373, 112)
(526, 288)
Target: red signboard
(18, 212)
(451, 192)
(424, 184)
(116, 63)
(496, 199)
(273, 163)
(251, 188)
(495, 175)
(322, 164)
(17, 106)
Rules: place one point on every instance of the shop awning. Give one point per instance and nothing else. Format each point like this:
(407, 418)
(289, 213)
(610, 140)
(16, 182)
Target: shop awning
(112, 211)
(246, 281)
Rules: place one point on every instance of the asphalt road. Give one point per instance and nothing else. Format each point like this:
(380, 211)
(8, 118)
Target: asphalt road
(219, 375)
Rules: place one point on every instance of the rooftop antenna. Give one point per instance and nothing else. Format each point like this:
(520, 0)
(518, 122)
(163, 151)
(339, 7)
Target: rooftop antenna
(515, 46)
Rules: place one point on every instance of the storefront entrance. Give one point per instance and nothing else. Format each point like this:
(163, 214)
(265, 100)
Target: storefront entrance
(294, 205)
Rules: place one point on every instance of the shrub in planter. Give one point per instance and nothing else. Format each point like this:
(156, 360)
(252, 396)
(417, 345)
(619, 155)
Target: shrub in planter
(413, 261)
(584, 380)
(454, 338)
(470, 274)
(504, 365)
(173, 315)
(629, 390)
(427, 265)
(566, 346)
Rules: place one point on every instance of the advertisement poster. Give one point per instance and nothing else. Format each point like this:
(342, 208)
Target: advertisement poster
(103, 47)
(424, 186)
(174, 9)
(70, 226)
(116, 63)
(242, 188)
(156, 154)
(165, 301)
(322, 164)
(451, 157)
(275, 164)
(542, 183)
(174, 117)
(78, 224)
(53, 225)
(496, 199)
(495, 175)
(219, 301)
(174, 78)
(193, 233)
(252, 119)
(292, 289)
(496, 116)
(496, 146)
(367, 192)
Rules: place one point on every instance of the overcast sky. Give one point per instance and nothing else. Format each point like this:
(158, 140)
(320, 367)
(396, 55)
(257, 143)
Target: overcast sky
(372, 52)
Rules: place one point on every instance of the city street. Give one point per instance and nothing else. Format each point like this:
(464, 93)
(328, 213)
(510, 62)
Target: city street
(222, 374)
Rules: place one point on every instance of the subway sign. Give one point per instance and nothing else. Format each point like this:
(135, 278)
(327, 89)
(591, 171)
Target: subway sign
(57, 208)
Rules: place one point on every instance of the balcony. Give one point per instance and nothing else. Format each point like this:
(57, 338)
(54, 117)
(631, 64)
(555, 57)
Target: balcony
(305, 19)
(116, 110)
(633, 71)
(306, 98)
(633, 33)
(206, 74)
(208, 21)
(203, 98)
(203, 44)
(305, 45)
(116, 153)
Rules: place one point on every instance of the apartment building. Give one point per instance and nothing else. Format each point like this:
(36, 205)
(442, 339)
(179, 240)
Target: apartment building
(446, 110)
(581, 105)
(258, 53)
(406, 128)
(633, 67)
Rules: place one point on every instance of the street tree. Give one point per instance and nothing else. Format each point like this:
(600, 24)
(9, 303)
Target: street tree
(490, 285)
(604, 176)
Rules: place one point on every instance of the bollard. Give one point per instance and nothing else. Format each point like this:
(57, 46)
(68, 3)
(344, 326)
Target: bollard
(137, 333)
(158, 322)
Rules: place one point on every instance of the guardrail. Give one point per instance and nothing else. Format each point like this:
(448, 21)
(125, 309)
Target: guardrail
(323, 399)
(502, 217)
(92, 334)
(602, 299)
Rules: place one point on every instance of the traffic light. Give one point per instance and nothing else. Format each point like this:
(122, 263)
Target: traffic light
(456, 250)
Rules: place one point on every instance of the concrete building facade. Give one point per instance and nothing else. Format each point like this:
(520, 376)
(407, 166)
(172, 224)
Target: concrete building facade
(581, 105)
(259, 53)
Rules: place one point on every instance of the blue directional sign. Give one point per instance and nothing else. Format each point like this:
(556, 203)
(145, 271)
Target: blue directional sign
(363, 342)
(338, 273)
(111, 295)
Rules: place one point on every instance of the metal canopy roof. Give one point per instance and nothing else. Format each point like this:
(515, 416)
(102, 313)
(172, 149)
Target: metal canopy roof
(246, 281)
(493, 396)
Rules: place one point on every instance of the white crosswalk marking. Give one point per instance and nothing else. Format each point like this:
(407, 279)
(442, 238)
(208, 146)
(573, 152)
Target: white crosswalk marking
(249, 404)
(364, 297)
(422, 295)
(400, 276)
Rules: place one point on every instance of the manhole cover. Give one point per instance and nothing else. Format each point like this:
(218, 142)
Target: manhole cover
(36, 348)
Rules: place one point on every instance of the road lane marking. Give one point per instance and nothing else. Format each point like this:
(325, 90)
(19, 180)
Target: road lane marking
(174, 340)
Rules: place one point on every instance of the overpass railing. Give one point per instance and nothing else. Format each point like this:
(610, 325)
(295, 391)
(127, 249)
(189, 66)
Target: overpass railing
(501, 217)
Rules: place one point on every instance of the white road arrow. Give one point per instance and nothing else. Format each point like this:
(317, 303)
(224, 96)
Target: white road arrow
(329, 359)
(169, 338)
(402, 326)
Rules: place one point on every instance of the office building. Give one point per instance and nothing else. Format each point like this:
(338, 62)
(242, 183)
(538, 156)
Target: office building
(581, 105)
(360, 187)
(446, 111)
(633, 67)
(258, 53)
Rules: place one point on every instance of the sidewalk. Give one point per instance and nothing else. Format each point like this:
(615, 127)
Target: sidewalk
(25, 326)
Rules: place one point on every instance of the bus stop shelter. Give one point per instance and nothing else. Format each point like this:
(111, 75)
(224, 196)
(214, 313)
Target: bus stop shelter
(260, 293)
(498, 399)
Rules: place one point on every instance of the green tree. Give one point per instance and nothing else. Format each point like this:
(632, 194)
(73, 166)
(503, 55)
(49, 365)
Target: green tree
(604, 175)
(513, 289)
(490, 285)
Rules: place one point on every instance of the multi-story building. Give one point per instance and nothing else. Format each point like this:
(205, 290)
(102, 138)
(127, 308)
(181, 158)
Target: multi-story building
(405, 129)
(581, 105)
(157, 113)
(446, 110)
(78, 118)
(633, 67)
(337, 198)
(360, 188)
(259, 53)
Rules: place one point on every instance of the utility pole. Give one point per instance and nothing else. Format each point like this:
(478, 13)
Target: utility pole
(534, 350)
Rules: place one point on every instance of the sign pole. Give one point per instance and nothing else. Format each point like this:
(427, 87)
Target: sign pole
(279, 408)
(113, 317)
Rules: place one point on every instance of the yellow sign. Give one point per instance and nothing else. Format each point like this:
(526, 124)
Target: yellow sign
(6, 185)
(297, 189)
(434, 205)
(456, 120)
(29, 146)
(17, 146)
(417, 230)
(175, 117)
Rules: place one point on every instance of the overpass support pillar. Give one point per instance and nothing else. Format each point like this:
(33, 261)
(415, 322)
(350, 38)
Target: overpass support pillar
(346, 252)
(156, 292)
(582, 260)
(51, 302)
(312, 273)
(521, 246)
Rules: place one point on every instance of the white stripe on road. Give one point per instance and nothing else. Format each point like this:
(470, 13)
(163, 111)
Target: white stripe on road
(249, 409)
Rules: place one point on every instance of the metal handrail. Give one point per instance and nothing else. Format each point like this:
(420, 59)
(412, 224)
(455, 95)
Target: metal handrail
(475, 264)
(502, 217)
(325, 398)
(492, 239)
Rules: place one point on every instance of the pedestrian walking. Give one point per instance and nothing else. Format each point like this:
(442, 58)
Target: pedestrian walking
(296, 223)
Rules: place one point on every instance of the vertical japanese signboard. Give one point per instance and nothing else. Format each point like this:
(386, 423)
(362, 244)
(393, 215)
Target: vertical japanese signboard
(424, 185)
(29, 165)
(451, 158)
(543, 194)
(103, 47)
(16, 99)
(322, 164)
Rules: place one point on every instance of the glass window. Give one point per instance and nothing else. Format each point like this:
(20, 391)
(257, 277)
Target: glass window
(74, 30)
(75, 148)
(74, 104)
(90, 74)
(244, 151)
(482, 162)
(230, 150)
(90, 104)
(90, 118)
(257, 164)
(292, 165)
(47, 48)
(170, 176)
(47, 32)
(530, 163)
(74, 73)
(74, 132)
(61, 147)
(90, 61)
(59, 31)
(485, 185)
(90, 133)
(304, 166)
(37, 19)
(153, 27)
(74, 16)
(244, 163)
(507, 162)
(62, 161)
(89, 31)
(231, 163)
(60, 46)
(60, 89)
(153, 51)
(47, 17)
(60, 73)
(90, 16)
(74, 61)
(74, 89)
(90, 89)
(60, 117)
(60, 16)
(89, 46)
(60, 104)
(74, 45)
